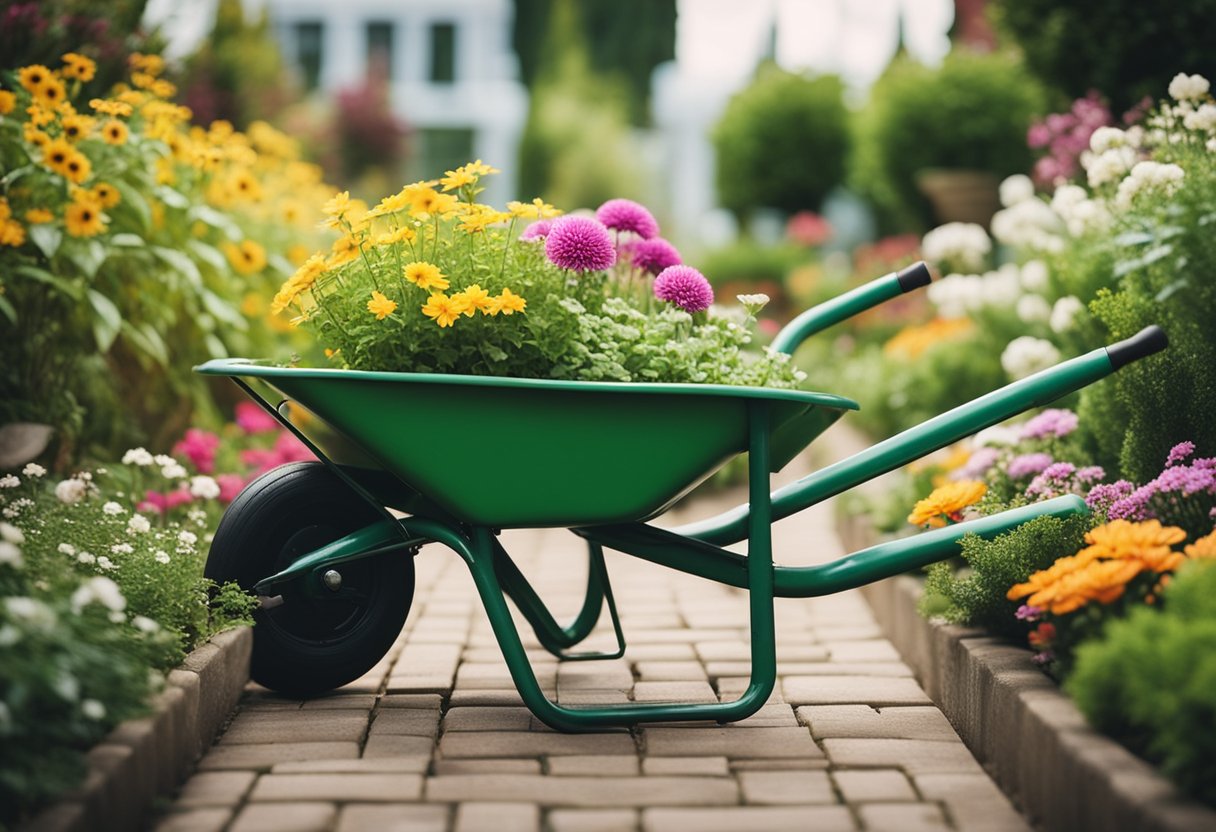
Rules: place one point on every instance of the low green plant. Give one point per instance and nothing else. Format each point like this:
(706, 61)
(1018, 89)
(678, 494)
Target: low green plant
(1150, 681)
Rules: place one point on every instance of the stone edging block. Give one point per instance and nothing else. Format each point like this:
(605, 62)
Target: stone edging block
(146, 758)
(1028, 734)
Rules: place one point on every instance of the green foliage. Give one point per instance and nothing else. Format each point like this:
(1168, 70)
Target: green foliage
(747, 261)
(1141, 47)
(970, 113)
(781, 143)
(976, 595)
(1150, 681)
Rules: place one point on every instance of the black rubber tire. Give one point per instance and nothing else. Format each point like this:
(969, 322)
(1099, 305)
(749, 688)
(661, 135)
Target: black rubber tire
(311, 645)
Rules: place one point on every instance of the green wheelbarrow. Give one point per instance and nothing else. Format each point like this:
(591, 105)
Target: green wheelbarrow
(410, 459)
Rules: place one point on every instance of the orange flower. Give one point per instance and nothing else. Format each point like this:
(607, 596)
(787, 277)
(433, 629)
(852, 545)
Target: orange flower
(381, 306)
(1203, 548)
(114, 132)
(78, 67)
(946, 503)
(7, 102)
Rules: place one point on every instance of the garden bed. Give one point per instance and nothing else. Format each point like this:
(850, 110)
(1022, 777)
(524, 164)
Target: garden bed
(1026, 732)
(144, 759)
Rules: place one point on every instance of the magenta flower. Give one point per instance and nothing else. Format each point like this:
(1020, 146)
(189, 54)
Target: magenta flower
(536, 231)
(1052, 422)
(252, 419)
(163, 503)
(230, 485)
(200, 447)
(684, 286)
(1027, 465)
(580, 244)
(627, 215)
(1102, 497)
(1179, 452)
(652, 255)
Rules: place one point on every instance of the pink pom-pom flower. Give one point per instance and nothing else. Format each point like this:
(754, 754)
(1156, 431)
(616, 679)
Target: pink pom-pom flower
(580, 244)
(538, 230)
(684, 286)
(652, 255)
(627, 215)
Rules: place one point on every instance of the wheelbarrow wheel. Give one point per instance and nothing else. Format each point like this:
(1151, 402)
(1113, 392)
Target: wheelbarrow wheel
(311, 643)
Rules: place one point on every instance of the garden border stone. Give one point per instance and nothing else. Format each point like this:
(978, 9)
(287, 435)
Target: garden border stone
(1027, 733)
(144, 759)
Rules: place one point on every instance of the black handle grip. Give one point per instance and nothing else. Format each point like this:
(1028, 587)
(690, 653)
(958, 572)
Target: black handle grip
(914, 276)
(1151, 339)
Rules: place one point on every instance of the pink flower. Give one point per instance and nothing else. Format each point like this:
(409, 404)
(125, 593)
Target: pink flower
(537, 230)
(808, 228)
(163, 503)
(253, 419)
(627, 215)
(199, 446)
(580, 244)
(652, 255)
(684, 286)
(230, 485)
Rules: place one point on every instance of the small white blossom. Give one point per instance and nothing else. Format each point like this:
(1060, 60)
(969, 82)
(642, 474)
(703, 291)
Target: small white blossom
(1027, 355)
(1147, 176)
(161, 556)
(1015, 189)
(34, 470)
(105, 563)
(9, 481)
(86, 557)
(138, 524)
(204, 487)
(1105, 138)
(1079, 212)
(9, 635)
(145, 624)
(1034, 276)
(122, 549)
(11, 534)
(137, 456)
(67, 687)
(92, 709)
(1033, 308)
(99, 589)
(1203, 118)
(1109, 166)
(67, 549)
(117, 617)
(1065, 312)
(1188, 87)
(31, 611)
(1028, 224)
(173, 470)
(961, 244)
(187, 538)
(10, 555)
(70, 491)
(113, 509)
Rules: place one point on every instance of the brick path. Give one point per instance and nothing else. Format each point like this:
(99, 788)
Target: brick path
(435, 737)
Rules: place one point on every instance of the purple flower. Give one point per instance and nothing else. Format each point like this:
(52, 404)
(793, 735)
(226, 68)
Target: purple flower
(1052, 482)
(1027, 465)
(684, 286)
(1135, 506)
(1091, 473)
(652, 255)
(1059, 471)
(1051, 422)
(580, 244)
(1179, 452)
(627, 215)
(1028, 613)
(977, 465)
(1102, 497)
(537, 230)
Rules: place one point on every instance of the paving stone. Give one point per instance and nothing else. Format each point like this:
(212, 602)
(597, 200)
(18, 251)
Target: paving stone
(611, 792)
(416, 764)
(285, 817)
(734, 743)
(913, 756)
(780, 764)
(412, 700)
(593, 697)
(682, 692)
(772, 715)
(593, 820)
(652, 671)
(829, 690)
(338, 787)
(484, 718)
(194, 820)
(494, 698)
(606, 675)
(263, 756)
(398, 817)
(862, 650)
(902, 817)
(593, 766)
(334, 725)
(735, 818)
(396, 745)
(912, 723)
(701, 766)
(532, 744)
(853, 632)
(786, 787)
(973, 801)
(731, 688)
(863, 786)
(660, 652)
(215, 788)
(500, 817)
(489, 766)
(412, 721)
(361, 701)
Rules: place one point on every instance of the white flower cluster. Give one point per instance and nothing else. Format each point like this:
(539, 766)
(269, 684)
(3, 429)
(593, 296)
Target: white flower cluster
(961, 245)
(1064, 313)
(72, 490)
(959, 295)
(137, 456)
(1147, 176)
(1077, 211)
(204, 487)
(1188, 87)
(1027, 355)
(1029, 223)
(101, 590)
(1109, 165)
(1015, 189)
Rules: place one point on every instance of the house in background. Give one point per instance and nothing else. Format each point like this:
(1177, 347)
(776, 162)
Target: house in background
(453, 74)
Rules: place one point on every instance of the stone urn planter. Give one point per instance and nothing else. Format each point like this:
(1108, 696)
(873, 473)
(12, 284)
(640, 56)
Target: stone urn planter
(961, 195)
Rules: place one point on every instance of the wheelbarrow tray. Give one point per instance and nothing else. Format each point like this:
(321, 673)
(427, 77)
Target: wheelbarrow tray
(533, 453)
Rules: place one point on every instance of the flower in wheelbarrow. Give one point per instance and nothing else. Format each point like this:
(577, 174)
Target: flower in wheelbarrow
(425, 275)
(476, 299)
(444, 310)
(684, 286)
(945, 504)
(381, 306)
(652, 255)
(753, 303)
(627, 215)
(580, 244)
(508, 303)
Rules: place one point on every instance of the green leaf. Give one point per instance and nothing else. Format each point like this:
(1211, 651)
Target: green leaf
(209, 254)
(148, 341)
(224, 311)
(128, 240)
(88, 257)
(1133, 238)
(215, 346)
(1149, 257)
(8, 310)
(172, 198)
(216, 219)
(180, 263)
(43, 276)
(133, 200)
(47, 238)
(15, 174)
(108, 320)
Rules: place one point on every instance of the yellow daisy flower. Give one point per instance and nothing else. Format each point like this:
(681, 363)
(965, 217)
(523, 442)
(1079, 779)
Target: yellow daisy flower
(345, 249)
(39, 216)
(536, 209)
(246, 258)
(458, 179)
(946, 503)
(404, 234)
(32, 77)
(508, 303)
(478, 300)
(444, 310)
(51, 94)
(78, 67)
(425, 275)
(83, 218)
(114, 132)
(11, 233)
(110, 108)
(56, 154)
(8, 101)
(381, 306)
(77, 127)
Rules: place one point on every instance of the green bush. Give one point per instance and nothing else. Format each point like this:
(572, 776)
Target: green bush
(970, 113)
(781, 143)
(747, 261)
(1150, 681)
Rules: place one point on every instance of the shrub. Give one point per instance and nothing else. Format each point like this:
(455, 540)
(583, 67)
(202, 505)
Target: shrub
(1150, 681)
(970, 113)
(781, 117)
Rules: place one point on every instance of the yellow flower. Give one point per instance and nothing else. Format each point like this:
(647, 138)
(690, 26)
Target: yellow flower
(38, 216)
(336, 208)
(246, 258)
(7, 102)
(508, 303)
(480, 168)
(56, 154)
(404, 234)
(151, 64)
(308, 273)
(77, 127)
(110, 108)
(164, 89)
(443, 309)
(39, 115)
(77, 167)
(33, 77)
(296, 254)
(458, 179)
(114, 132)
(946, 503)
(477, 299)
(11, 233)
(1147, 541)
(78, 67)
(391, 205)
(1203, 548)
(106, 194)
(380, 306)
(345, 249)
(246, 186)
(51, 94)
(36, 137)
(536, 209)
(478, 220)
(911, 341)
(425, 275)
(429, 202)
(83, 218)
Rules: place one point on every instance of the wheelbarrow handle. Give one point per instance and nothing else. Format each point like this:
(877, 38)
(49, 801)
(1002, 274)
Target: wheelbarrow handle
(842, 307)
